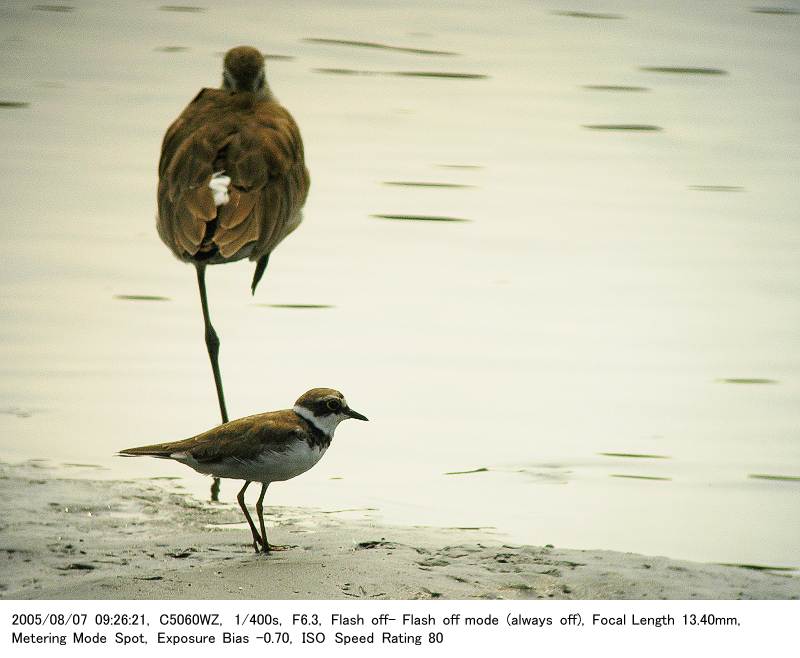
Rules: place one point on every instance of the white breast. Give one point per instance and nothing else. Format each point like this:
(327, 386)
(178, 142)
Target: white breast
(268, 467)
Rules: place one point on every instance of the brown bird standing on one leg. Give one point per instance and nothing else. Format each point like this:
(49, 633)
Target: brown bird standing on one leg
(232, 181)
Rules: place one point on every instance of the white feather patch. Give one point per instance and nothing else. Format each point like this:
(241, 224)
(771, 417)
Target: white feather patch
(326, 424)
(219, 186)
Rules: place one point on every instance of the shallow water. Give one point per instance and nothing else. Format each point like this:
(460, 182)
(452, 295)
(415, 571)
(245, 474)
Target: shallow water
(604, 356)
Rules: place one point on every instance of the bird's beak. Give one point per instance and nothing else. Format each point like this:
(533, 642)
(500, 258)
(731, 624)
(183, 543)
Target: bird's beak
(355, 414)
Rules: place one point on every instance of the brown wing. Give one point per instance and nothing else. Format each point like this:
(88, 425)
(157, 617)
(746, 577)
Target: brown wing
(243, 438)
(256, 142)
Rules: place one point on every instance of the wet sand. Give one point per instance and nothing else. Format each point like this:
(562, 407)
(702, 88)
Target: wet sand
(89, 539)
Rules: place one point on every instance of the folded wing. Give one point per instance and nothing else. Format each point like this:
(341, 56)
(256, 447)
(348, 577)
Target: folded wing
(242, 439)
(257, 144)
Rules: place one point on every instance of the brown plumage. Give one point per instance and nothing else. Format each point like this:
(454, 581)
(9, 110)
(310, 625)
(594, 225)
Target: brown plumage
(243, 439)
(232, 181)
(265, 448)
(242, 131)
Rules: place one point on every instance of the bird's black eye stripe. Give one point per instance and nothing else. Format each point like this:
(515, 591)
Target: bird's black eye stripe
(333, 405)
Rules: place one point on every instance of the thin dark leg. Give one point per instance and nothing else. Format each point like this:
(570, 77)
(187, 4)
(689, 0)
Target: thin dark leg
(256, 537)
(266, 546)
(261, 265)
(260, 512)
(212, 344)
(212, 341)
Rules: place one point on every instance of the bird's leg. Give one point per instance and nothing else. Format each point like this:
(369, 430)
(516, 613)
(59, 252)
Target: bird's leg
(212, 341)
(261, 265)
(260, 512)
(256, 537)
(212, 344)
(267, 547)
(215, 490)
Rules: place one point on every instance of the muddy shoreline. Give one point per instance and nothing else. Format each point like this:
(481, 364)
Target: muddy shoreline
(91, 539)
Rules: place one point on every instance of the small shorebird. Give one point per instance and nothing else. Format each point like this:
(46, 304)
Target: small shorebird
(270, 447)
(231, 180)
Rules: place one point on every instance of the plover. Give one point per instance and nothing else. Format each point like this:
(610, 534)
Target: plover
(269, 447)
(232, 180)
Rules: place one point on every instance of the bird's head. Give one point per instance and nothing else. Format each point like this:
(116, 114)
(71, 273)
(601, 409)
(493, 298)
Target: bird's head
(325, 408)
(243, 70)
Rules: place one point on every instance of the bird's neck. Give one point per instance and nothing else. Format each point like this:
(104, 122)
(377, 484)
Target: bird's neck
(325, 424)
(265, 93)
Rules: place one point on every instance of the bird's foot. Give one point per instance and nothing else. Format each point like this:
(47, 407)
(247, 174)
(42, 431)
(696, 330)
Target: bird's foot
(277, 547)
(258, 543)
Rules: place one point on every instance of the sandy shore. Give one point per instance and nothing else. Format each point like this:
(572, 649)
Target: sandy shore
(86, 539)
